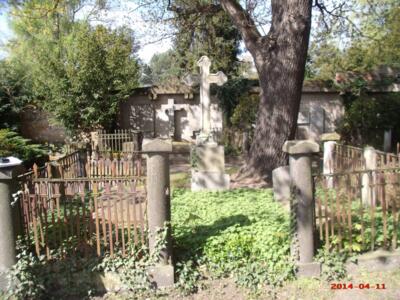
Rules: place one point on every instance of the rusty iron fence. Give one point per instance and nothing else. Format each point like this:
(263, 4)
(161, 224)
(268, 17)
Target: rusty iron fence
(358, 211)
(81, 164)
(121, 140)
(387, 160)
(93, 206)
(348, 158)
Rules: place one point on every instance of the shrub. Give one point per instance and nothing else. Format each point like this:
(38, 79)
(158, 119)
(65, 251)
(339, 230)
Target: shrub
(12, 144)
(367, 117)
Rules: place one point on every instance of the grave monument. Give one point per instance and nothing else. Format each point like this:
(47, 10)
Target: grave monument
(208, 159)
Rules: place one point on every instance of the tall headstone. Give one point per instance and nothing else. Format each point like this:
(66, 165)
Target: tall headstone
(208, 160)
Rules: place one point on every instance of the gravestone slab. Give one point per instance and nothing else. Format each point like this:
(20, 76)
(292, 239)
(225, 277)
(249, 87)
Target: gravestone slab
(212, 181)
(281, 184)
(210, 158)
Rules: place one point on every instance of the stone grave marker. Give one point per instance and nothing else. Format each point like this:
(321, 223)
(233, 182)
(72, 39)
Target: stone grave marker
(208, 171)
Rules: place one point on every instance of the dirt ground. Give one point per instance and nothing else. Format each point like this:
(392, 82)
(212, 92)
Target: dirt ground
(225, 289)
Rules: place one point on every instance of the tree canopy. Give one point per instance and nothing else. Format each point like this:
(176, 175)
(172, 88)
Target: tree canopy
(79, 72)
(375, 43)
(208, 32)
(197, 33)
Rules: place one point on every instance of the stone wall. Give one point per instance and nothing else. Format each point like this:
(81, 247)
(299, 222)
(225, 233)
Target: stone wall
(156, 119)
(319, 113)
(36, 125)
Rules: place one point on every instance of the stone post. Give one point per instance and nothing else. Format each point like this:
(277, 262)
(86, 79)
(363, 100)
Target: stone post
(300, 153)
(368, 179)
(387, 140)
(8, 172)
(158, 206)
(329, 161)
(94, 137)
(330, 141)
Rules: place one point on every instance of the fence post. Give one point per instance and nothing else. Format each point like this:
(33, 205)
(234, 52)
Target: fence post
(300, 153)
(329, 161)
(387, 140)
(368, 179)
(330, 141)
(8, 172)
(158, 206)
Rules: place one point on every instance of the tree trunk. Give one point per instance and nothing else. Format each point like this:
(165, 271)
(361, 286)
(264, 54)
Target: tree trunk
(280, 59)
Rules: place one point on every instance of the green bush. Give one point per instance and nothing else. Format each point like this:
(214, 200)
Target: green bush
(367, 117)
(241, 233)
(12, 144)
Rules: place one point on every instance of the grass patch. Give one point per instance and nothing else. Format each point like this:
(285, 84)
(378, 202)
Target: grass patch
(180, 180)
(241, 233)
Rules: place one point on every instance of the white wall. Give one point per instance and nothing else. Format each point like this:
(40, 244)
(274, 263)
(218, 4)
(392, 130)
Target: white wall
(141, 113)
(319, 113)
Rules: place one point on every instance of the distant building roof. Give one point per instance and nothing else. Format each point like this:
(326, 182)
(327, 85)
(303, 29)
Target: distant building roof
(383, 79)
(166, 89)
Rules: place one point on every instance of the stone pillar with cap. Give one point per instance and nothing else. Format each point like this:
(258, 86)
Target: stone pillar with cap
(300, 153)
(159, 207)
(9, 166)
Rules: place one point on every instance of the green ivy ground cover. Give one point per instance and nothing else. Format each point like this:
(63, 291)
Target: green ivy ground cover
(241, 233)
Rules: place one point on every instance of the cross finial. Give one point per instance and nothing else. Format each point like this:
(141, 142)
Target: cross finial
(204, 63)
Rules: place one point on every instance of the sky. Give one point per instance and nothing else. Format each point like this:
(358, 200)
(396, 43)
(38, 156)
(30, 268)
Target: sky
(119, 12)
(150, 42)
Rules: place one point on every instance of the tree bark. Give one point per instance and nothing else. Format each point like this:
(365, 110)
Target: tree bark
(280, 59)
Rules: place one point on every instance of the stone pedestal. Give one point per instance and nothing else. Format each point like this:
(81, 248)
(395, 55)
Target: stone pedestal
(300, 172)
(8, 172)
(159, 207)
(208, 171)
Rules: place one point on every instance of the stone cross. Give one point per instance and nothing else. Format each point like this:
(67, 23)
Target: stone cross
(205, 80)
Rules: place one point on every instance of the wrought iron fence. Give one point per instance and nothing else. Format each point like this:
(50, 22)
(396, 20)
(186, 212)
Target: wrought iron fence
(121, 140)
(347, 158)
(358, 211)
(91, 205)
(387, 160)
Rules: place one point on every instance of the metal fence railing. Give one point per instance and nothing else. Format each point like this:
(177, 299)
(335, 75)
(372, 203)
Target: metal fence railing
(360, 211)
(90, 205)
(120, 140)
